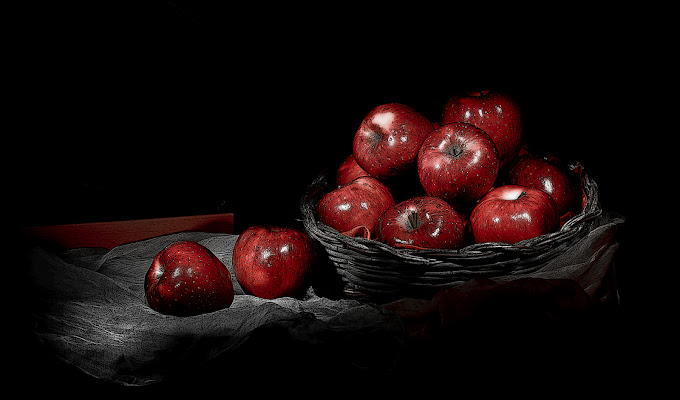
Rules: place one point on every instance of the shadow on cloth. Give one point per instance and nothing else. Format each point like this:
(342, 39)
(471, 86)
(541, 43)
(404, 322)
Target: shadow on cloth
(90, 311)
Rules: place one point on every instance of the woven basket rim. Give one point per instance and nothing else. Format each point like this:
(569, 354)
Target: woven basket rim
(325, 234)
(375, 271)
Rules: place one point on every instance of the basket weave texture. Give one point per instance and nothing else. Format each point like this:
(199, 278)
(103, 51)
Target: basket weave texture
(373, 271)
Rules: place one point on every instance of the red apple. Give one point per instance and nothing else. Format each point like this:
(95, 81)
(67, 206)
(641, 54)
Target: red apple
(550, 176)
(513, 213)
(421, 222)
(497, 114)
(387, 141)
(186, 279)
(358, 204)
(348, 171)
(271, 262)
(458, 163)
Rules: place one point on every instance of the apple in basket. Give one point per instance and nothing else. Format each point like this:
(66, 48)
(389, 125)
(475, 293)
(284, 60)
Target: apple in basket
(348, 171)
(458, 163)
(387, 141)
(271, 262)
(428, 222)
(187, 279)
(563, 185)
(512, 213)
(496, 113)
(354, 209)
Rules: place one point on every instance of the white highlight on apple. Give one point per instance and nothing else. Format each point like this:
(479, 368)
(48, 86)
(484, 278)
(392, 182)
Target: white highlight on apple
(383, 119)
(548, 186)
(344, 207)
(512, 194)
(475, 157)
(523, 216)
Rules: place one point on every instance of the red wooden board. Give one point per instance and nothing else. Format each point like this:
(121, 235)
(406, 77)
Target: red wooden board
(112, 234)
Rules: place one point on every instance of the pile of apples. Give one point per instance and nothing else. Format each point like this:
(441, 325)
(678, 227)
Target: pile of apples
(468, 180)
(480, 184)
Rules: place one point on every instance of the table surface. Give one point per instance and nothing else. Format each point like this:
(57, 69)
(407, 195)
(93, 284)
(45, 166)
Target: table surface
(113, 233)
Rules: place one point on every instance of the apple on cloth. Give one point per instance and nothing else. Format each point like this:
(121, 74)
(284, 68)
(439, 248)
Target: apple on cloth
(89, 308)
(272, 261)
(176, 285)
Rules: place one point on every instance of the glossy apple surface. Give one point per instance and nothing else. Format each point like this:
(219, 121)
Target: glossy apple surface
(421, 222)
(348, 171)
(563, 185)
(497, 114)
(512, 213)
(458, 163)
(187, 279)
(388, 139)
(358, 204)
(271, 262)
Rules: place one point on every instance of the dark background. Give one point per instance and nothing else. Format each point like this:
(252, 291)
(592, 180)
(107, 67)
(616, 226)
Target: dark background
(159, 108)
(163, 108)
(156, 108)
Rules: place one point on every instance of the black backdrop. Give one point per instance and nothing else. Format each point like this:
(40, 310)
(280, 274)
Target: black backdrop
(159, 108)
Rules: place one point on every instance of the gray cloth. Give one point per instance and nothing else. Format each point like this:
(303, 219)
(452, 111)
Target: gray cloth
(93, 314)
(587, 261)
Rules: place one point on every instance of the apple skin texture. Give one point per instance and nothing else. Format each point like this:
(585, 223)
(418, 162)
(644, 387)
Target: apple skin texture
(387, 141)
(187, 279)
(497, 114)
(512, 213)
(272, 262)
(553, 178)
(458, 163)
(421, 222)
(348, 171)
(359, 203)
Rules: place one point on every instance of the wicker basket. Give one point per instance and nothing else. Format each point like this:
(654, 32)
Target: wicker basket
(374, 271)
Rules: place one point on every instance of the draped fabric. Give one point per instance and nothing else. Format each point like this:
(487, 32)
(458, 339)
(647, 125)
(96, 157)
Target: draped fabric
(91, 311)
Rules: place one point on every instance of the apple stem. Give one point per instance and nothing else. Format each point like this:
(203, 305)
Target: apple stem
(413, 220)
(455, 151)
